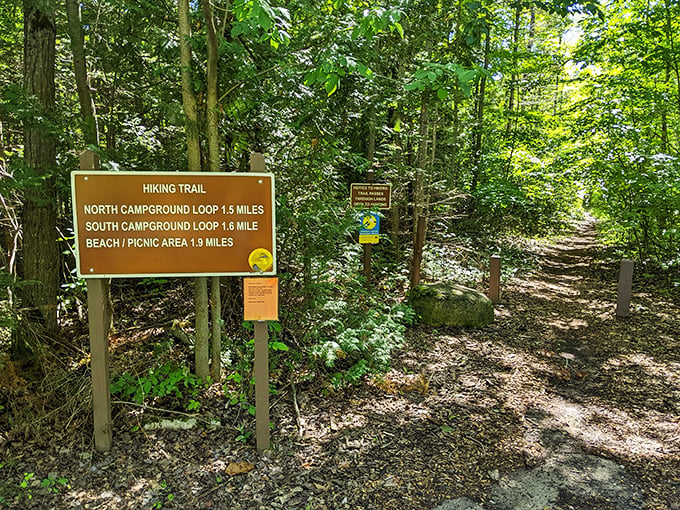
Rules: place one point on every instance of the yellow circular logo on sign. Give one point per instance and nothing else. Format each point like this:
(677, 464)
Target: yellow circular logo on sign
(260, 259)
(369, 222)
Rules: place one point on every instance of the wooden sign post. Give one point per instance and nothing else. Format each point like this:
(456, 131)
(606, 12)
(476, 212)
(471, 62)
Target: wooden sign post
(99, 319)
(369, 195)
(261, 362)
(625, 288)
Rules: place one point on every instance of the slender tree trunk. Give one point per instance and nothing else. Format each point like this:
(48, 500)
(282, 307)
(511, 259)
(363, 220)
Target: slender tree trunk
(664, 115)
(453, 173)
(87, 110)
(395, 211)
(479, 118)
(419, 184)
(202, 334)
(433, 140)
(212, 112)
(370, 146)
(212, 116)
(40, 253)
(672, 62)
(188, 95)
(514, 76)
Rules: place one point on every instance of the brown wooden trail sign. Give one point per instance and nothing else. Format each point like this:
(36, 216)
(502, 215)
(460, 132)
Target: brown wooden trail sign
(169, 224)
(371, 195)
(172, 224)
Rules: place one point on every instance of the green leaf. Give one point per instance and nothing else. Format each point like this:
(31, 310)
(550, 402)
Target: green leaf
(331, 84)
(311, 77)
(442, 94)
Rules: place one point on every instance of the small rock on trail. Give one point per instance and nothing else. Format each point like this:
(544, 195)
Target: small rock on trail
(566, 481)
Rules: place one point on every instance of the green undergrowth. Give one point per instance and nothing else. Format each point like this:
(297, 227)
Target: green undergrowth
(157, 382)
(352, 330)
(465, 259)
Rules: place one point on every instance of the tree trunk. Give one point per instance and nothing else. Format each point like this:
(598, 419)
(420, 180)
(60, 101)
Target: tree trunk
(419, 184)
(212, 116)
(188, 95)
(40, 254)
(514, 76)
(395, 211)
(87, 111)
(202, 333)
(479, 118)
(672, 64)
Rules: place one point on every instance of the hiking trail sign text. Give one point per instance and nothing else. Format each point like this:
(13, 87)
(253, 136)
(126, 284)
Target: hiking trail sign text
(370, 195)
(172, 223)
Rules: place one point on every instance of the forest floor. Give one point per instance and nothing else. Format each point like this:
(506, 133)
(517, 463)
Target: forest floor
(556, 388)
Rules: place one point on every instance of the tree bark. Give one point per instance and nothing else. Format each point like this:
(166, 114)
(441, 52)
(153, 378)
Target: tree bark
(188, 94)
(419, 184)
(479, 118)
(212, 116)
(514, 77)
(40, 253)
(87, 110)
(202, 333)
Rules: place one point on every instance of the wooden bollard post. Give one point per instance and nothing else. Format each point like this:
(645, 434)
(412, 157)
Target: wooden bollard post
(261, 362)
(625, 288)
(418, 251)
(368, 248)
(495, 278)
(99, 320)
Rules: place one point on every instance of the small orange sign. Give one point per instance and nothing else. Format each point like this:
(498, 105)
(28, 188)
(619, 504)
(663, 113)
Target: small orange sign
(261, 299)
(172, 223)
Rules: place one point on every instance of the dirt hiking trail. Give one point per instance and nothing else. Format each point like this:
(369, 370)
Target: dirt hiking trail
(556, 405)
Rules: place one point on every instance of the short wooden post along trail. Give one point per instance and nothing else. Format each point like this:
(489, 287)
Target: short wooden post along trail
(625, 288)
(418, 251)
(495, 278)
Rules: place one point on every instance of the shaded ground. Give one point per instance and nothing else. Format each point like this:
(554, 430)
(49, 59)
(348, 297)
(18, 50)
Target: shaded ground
(461, 414)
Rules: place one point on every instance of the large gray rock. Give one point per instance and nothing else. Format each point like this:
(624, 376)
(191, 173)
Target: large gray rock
(448, 304)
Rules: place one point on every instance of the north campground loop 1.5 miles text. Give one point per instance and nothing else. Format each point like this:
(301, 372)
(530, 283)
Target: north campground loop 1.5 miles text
(171, 223)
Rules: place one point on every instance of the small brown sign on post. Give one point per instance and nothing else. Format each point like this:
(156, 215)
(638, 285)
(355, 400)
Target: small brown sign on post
(370, 195)
(172, 223)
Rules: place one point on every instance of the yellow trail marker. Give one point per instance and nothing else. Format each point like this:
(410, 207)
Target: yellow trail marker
(260, 260)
